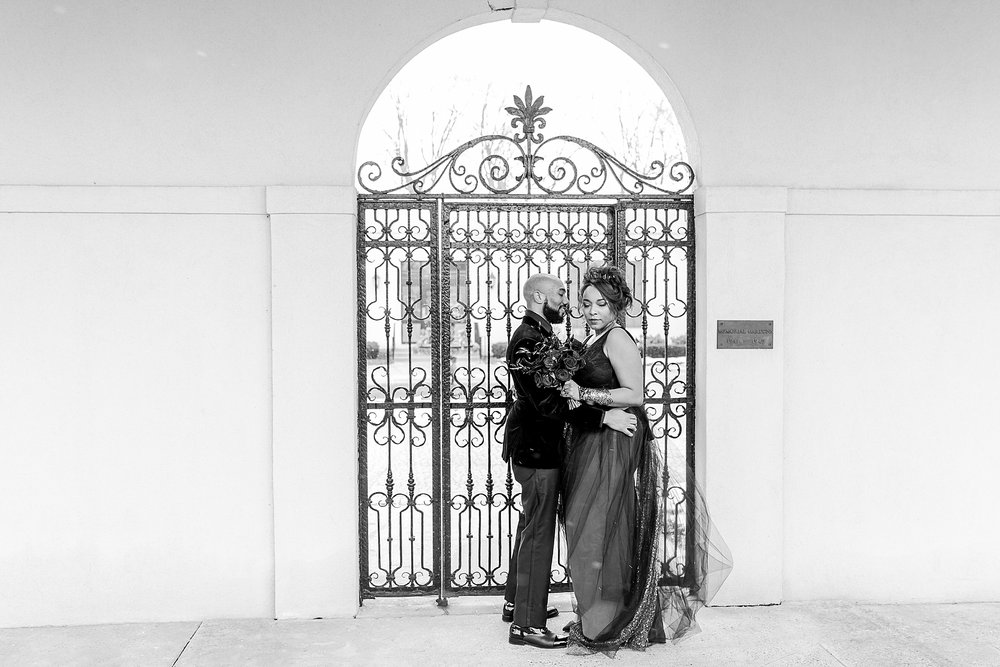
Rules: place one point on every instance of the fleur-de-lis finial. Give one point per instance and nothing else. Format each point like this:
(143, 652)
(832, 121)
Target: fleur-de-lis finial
(528, 114)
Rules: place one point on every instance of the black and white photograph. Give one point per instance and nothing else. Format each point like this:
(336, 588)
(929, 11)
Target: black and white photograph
(499, 332)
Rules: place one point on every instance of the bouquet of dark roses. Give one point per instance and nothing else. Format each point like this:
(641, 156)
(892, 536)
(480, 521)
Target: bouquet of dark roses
(552, 362)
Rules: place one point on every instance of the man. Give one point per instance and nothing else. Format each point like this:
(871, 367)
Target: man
(533, 444)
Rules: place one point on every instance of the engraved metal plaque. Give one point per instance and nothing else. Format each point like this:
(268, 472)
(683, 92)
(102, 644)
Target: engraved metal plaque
(745, 334)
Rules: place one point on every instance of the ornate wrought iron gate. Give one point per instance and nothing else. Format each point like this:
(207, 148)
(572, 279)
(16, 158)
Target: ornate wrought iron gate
(439, 283)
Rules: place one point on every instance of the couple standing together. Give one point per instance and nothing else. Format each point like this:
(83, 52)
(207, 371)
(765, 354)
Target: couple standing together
(607, 471)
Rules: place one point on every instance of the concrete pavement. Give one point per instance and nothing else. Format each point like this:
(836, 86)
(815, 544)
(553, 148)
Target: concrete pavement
(469, 632)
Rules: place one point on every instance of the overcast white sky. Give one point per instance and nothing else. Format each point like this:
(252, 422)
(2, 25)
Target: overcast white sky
(593, 87)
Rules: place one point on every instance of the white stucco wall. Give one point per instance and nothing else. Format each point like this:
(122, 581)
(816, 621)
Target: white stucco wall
(741, 255)
(315, 399)
(787, 93)
(135, 406)
(890, 395)
(139, 486)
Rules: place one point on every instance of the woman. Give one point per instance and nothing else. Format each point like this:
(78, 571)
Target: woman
(612, 499)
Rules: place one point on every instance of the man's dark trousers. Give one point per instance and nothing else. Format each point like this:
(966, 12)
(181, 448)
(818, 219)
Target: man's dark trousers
(528, 580)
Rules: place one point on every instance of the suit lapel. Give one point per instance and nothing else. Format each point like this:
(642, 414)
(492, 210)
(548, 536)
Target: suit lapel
(534, 324)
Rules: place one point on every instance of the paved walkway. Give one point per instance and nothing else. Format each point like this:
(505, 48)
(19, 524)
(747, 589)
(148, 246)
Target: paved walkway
(469, 632)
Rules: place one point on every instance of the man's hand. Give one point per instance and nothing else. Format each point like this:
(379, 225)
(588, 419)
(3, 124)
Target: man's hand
(621, 421)
(570, 390)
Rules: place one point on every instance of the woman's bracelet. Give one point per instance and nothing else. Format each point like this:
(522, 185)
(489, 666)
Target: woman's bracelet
(595, 396)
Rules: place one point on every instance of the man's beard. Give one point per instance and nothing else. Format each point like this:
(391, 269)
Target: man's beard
(553, 315)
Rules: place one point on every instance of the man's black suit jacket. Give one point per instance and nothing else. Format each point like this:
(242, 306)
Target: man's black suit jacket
(534, 431)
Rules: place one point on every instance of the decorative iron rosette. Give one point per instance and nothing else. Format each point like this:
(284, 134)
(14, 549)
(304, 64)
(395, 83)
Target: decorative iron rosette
(528, 164)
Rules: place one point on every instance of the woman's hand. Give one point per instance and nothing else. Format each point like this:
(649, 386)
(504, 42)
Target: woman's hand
(573, 405)
(570, 390)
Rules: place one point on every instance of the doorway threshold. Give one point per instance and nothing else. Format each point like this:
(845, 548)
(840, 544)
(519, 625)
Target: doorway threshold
(461, 605)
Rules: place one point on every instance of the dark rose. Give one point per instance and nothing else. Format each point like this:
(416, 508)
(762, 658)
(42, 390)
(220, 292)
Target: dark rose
(548, 379)
(571, 363)
(551, 360)
(563, 375)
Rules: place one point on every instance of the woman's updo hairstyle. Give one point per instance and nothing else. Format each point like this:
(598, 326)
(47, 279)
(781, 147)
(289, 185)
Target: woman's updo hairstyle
(610, 282)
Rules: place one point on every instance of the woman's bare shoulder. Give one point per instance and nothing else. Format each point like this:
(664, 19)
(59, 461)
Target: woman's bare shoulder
(620, 340)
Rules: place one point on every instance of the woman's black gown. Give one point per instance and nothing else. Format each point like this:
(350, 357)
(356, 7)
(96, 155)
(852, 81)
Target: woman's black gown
(613, 516)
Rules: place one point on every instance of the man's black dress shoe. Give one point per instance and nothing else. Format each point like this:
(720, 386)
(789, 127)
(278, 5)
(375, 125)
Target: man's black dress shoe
(507, 616)
(537, 637)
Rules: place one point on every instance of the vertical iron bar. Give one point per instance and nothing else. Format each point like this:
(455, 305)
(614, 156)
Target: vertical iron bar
(691, 323)
(616, 216)
(643, 238)
(469, 418)
(390, 488)
(411, 410)
(509, 478)
(361, 257)
(440, 362)
(666, 405)
(488, 267)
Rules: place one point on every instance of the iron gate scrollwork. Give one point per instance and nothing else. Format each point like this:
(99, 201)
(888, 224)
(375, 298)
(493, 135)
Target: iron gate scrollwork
(398, 425)
(439, 283)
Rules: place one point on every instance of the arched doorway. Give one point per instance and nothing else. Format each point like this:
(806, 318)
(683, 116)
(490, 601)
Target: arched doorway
(443, 248)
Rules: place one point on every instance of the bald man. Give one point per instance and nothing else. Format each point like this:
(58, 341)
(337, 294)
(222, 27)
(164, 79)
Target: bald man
(533, 443)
